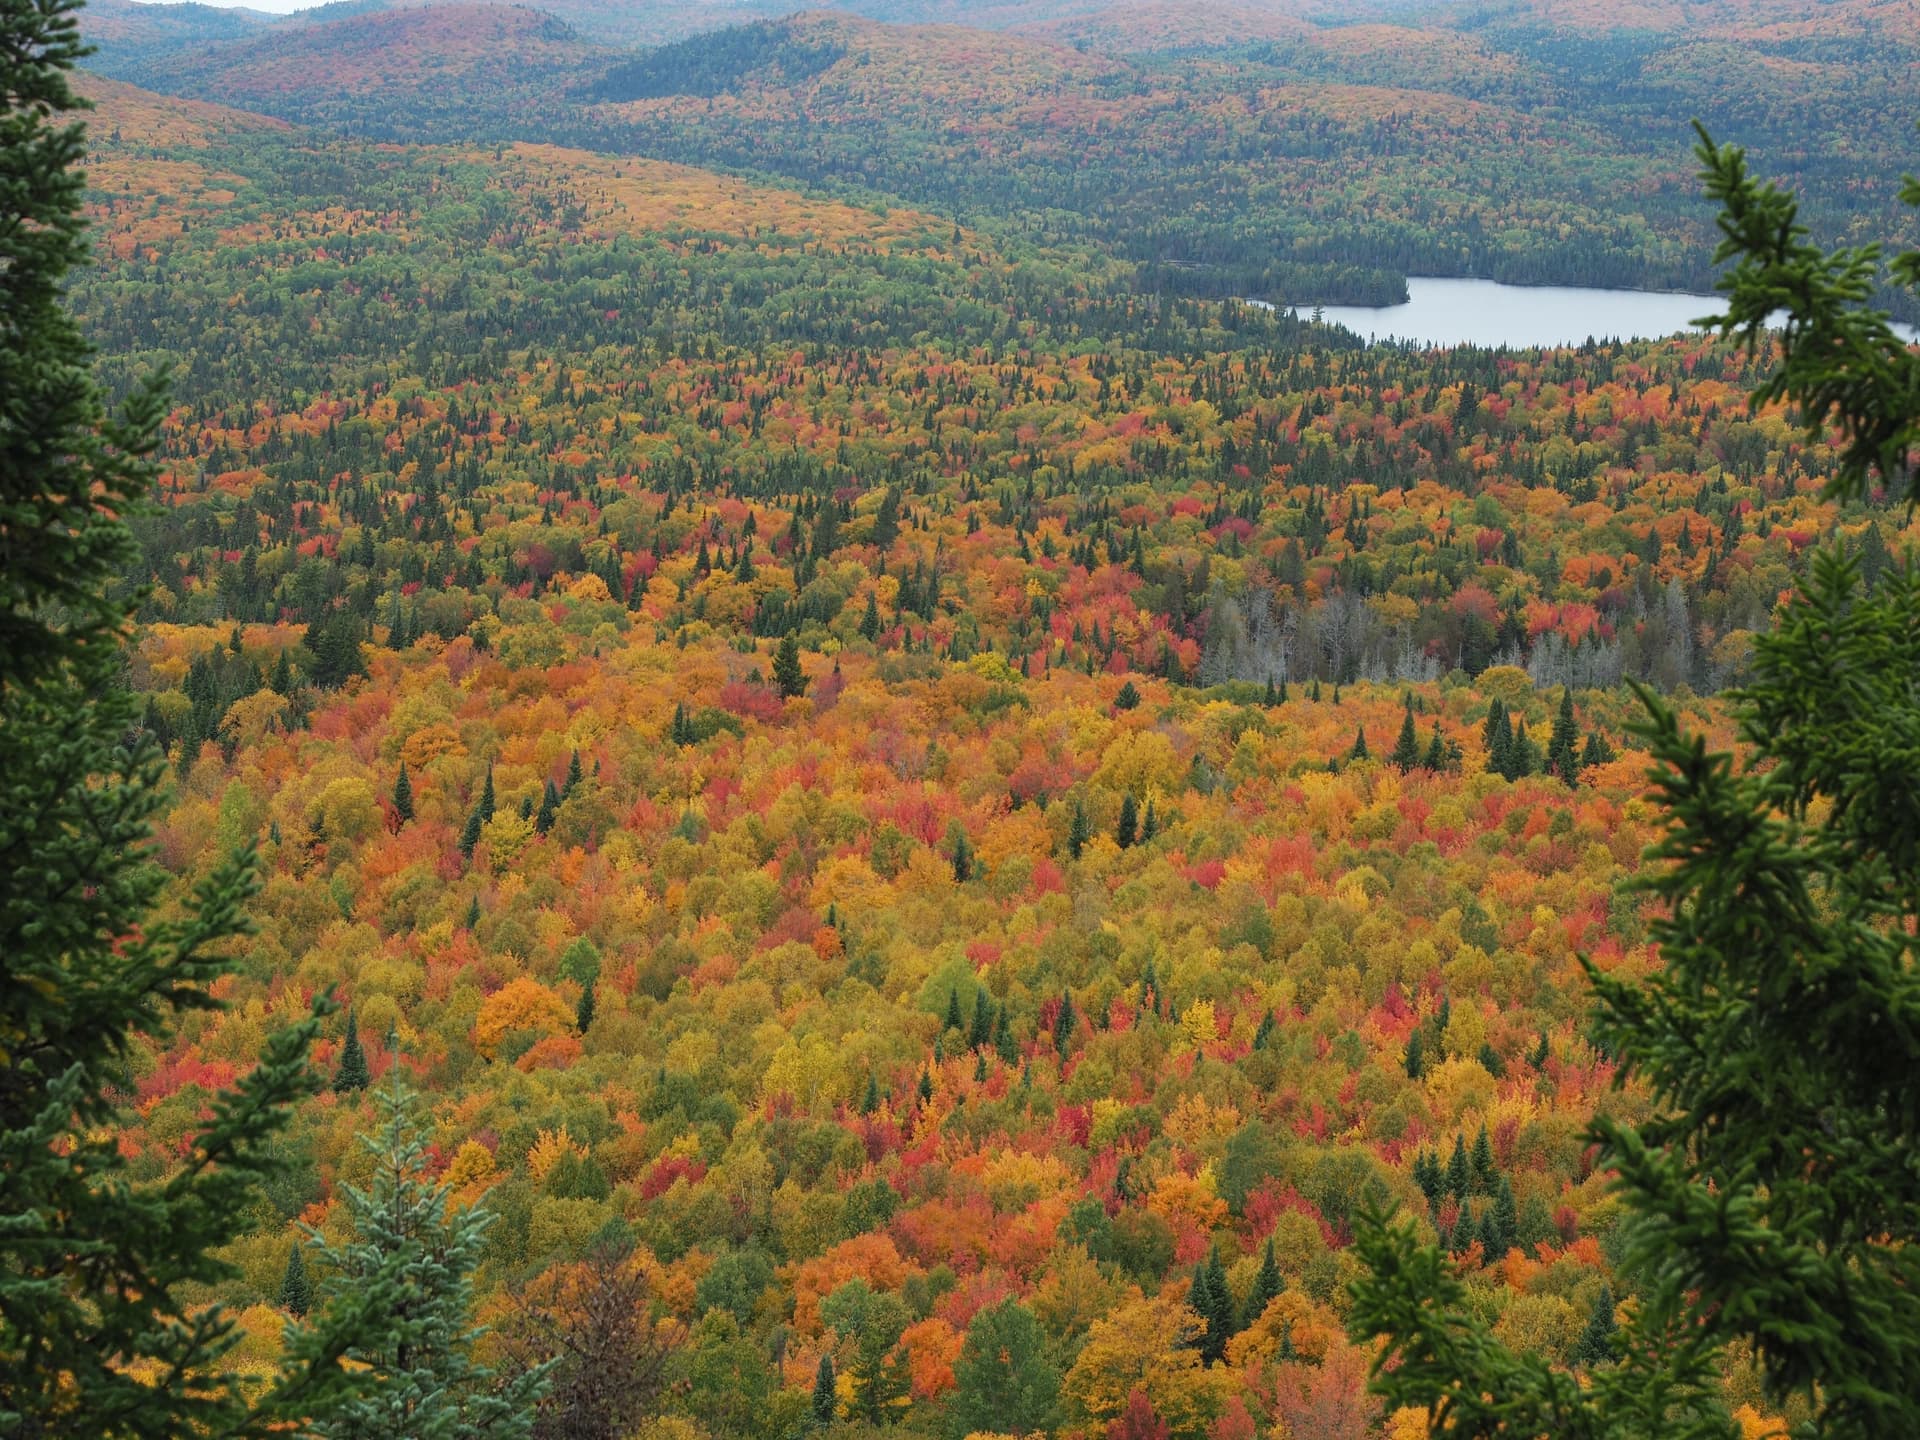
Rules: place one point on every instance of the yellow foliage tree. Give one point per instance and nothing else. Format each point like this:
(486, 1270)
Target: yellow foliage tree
(1146, 1344)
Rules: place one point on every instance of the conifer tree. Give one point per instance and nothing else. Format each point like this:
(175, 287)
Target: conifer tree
(1359, 750)
(1221, 1318)
(296, 1291)
(826, 1395)
(1597, 752)
(1149, 823)
(352, 1073)
(1212, 1301)
(1128, 698)
(1561, 759)
(549, 809)
(1063, 1025)
(583, 1013)
(1200, 1301)
(1128, 830)
(960, 853)
(1459, 1172)
(1595, 1345)
(1483, 1172)
(1496, 737)
(1416, 1063)
(953, 1019)
(1523, 756)
(470, 834)
(403, 795)
(1427, 1175)
(870, 621)
(574, 776)
(391, 1336)
(1770, 1199)
(104, 1330)
(486, 806)
(1078, 831)
(787, 673)
(1004, 1045)
(980, 1032)
(1506, 1219)
(1268, 1282)
(1406, 749)
(1436, 756)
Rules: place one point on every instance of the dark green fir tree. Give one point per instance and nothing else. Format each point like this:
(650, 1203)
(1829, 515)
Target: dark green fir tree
(1268, 1282)
(1406, 749)
(403, 795)
(352, 1073)
(104, 1327)
(787, 674)
(296, 1291)
(826, 1396)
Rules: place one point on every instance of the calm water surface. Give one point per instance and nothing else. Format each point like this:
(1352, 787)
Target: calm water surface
(1483, 312)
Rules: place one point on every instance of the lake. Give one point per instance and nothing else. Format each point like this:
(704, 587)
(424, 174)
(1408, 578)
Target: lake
(1484, 312)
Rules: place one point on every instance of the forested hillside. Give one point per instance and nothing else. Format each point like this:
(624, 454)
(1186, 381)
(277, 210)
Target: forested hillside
(1285, 153)
(969, 805)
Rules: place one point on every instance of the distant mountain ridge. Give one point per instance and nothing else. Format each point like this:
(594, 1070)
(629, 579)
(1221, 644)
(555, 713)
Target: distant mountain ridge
(1285, 151)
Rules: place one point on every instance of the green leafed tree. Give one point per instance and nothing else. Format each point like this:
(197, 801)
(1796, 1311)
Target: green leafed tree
(1004, 1382)
(1772, 1199)
(103, 1327)
(870, 1322)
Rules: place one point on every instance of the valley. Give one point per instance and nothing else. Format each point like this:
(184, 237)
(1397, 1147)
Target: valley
(898, 748)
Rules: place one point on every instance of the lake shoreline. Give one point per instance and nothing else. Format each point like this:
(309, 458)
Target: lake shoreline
(1444, 312)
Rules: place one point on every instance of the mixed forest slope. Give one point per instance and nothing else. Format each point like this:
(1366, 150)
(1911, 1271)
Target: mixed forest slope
(922, 765)
(1277, 152)
(461, 67)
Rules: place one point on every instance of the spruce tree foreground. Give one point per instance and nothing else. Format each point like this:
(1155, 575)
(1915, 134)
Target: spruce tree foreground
(98, 1335)
(103, 1331)
(1773, 1201)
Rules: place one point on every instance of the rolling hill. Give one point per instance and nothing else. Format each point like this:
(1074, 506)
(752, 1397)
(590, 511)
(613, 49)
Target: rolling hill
(388, 73)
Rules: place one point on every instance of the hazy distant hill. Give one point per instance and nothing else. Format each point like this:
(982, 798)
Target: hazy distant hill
(130, 34)
(451, 68)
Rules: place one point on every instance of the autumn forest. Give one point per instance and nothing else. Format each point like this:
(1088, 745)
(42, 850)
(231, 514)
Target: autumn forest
(915, 790)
